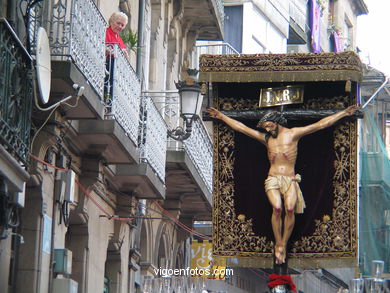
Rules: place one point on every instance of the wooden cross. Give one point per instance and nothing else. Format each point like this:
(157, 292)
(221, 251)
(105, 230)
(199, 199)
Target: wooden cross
(290, 115)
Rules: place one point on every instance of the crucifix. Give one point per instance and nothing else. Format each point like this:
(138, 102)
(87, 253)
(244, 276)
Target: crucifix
(281, 186)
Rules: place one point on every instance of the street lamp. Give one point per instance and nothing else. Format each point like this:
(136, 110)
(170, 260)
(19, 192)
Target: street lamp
(190, 104)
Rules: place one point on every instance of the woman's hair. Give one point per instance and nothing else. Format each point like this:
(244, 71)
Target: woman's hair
(117, 15)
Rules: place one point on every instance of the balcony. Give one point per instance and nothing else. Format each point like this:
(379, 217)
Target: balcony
(153, 138)
(107, 120)
(115, 135)
(205, 17)
(133, 132)
(123, 100)
(215, 48)
(212, 47)
(76, 31)
(189, 165)
(200, 150)
(16, 95)
(148, 177)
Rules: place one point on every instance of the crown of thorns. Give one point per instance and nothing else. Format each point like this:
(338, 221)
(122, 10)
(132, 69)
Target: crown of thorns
(273, 116)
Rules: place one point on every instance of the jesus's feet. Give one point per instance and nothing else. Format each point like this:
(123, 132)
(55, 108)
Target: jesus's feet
(280, 253)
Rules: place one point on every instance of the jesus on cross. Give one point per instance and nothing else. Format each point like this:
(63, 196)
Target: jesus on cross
(281, 184)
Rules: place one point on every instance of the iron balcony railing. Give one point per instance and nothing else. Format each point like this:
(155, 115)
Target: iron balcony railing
(212, 47)
(220, 12)
(76, 31)
(153, 138)
(215, 48)
(122, 93)
(198, 147)
(16, 93)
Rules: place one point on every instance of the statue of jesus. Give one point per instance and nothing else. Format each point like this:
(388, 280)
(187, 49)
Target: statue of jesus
(281, 185)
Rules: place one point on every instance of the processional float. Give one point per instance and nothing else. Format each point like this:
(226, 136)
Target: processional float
(304, 87)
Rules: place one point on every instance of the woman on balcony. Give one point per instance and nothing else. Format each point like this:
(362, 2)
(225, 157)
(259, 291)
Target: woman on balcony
(117, 22)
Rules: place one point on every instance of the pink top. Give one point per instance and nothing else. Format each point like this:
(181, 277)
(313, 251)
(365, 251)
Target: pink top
(112, 37)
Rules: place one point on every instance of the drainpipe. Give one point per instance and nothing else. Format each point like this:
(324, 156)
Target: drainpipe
(11, 13)
(141, 19)
(53, 230)
(376, 93)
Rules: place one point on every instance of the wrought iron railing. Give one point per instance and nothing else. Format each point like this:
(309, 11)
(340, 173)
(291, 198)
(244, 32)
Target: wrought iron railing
(220, 12)
(153, 136)
(171, 112)
(212, 47)
(76, 30)
(123, 93)
(198, 147)
(16, 92)
(215, 48)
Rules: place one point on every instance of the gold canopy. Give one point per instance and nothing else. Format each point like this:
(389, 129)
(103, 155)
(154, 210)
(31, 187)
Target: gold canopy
(299, 67)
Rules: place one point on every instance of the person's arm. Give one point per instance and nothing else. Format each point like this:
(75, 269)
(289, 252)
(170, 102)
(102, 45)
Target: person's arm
(236, 125)
(325, 122)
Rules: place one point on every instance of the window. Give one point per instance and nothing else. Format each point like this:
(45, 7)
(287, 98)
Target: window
(106, 288)
(348, 35)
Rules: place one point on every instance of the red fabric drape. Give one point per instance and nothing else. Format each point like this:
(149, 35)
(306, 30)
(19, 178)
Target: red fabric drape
(275, 280)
